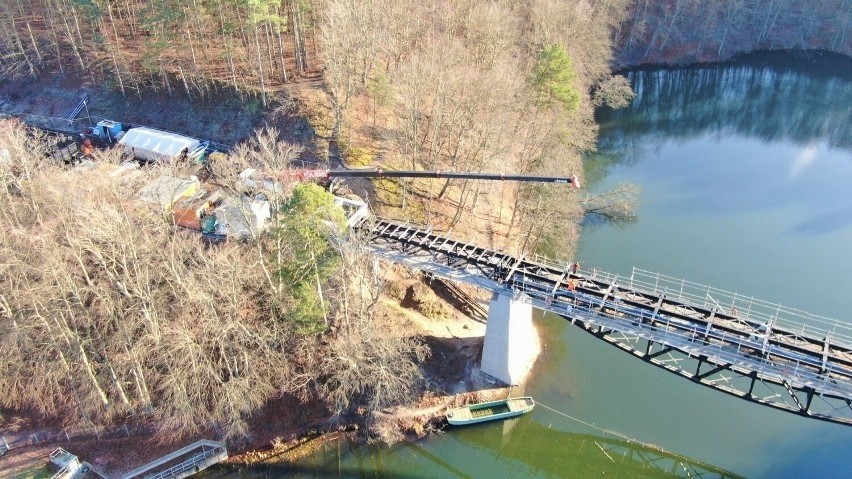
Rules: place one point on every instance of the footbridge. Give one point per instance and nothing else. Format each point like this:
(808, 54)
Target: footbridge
(764, 353)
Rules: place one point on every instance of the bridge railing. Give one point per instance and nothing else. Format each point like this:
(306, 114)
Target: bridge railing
(722, 346)
(549, 262)
(723, 340)
(735, 304)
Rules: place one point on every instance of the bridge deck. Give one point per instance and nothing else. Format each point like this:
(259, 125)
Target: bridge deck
(763, 352)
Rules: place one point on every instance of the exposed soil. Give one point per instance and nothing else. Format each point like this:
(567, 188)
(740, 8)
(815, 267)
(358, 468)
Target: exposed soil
(455, 341)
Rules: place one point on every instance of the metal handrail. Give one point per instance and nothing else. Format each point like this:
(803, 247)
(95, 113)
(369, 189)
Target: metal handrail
(789, 318)
(759, 341)
(185, 465)
(672, 328)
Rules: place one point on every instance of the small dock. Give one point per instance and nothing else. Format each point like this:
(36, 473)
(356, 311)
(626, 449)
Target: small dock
(68, 466)
(184, 462)
(179, 464)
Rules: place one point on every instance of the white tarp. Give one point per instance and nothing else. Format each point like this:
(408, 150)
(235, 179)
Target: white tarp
(241, 218)
(166, 189)
(155, 145)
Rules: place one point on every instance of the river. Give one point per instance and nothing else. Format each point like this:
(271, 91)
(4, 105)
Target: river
(744, 171)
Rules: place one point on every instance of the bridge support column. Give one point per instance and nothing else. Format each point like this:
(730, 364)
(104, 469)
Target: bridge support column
(511, 343)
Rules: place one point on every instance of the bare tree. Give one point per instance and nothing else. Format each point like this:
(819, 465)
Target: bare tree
(614, 92)
(617, 205)
(369, 363)
(111, 311)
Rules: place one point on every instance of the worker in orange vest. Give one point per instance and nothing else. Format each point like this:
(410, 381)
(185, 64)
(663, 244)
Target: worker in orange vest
(87, 149)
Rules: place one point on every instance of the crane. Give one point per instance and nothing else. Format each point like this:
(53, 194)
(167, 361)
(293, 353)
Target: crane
(299, 175)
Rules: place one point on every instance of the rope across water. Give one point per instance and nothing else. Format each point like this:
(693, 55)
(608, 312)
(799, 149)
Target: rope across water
(600, 429)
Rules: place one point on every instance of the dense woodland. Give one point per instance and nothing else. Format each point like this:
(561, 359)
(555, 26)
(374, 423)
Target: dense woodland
(262, 44)
(465, 85)
(191, 45)
(110, 314)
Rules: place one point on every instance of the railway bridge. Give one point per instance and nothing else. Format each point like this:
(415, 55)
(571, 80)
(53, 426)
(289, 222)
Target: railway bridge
(758, 351)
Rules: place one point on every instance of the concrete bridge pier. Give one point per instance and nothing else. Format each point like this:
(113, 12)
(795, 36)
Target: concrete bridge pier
(511, 343)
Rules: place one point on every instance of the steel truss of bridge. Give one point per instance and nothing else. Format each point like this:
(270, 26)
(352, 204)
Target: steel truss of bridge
(761, 352)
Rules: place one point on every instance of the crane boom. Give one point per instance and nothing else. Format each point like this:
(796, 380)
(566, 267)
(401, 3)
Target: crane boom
(303, 175)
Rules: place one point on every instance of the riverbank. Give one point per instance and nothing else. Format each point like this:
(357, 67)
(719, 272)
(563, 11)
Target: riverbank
(454, 336)
(456, 351)
(822, 62)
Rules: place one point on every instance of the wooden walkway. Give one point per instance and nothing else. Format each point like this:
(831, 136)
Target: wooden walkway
(758, 351)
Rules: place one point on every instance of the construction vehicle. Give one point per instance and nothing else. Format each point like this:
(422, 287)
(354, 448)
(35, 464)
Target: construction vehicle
(304, 175)
(142, 143)
(356, 210)
(146, 144)
(325, 176)
(106, 133)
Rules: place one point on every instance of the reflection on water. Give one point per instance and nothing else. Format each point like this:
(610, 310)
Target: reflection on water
(506, 450)
(745, 174)
(769, 98)
(759, 97)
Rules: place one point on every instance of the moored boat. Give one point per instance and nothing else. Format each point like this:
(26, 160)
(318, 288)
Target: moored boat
(490, 411)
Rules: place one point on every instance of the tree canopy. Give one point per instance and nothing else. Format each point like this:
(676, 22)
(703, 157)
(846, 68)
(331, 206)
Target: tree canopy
(308, 223)
(110, 313)
(553, 78)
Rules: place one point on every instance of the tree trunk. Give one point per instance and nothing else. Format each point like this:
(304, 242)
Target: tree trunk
(33, 40)
(280, 35)
(260, 65)
(671, 26)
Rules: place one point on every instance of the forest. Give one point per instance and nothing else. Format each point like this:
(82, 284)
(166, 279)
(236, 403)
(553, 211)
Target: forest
(110, 315)
(195, 45)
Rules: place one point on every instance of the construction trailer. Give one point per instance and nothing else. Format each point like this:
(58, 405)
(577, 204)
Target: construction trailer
(148, 144)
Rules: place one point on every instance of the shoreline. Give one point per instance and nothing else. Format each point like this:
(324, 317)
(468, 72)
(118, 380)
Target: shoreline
(458, 335)
(415, 422)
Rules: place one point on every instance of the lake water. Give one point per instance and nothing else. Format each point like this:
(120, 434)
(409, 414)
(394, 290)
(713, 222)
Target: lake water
(745, 173)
